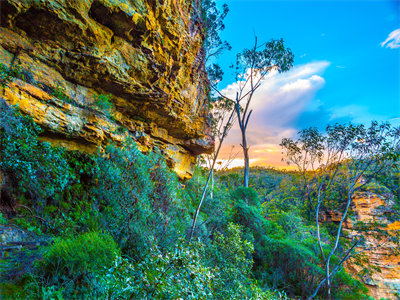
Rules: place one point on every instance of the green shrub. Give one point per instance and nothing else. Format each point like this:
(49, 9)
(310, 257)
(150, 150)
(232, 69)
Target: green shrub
(247, 195)
(230, 257)
(140, 199)
(86, 253)
(175, 274)
(5, 75)
(221, 270)
(76, 262)
(289, 264)
(3, 220)
(34, 170)
(60, 93)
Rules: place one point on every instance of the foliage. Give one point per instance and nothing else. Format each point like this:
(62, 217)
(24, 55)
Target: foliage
(140, 199)
(103, 102)
(336, 165)
(5, 75)
(120, 219)
(35, 170)
(232, 258)
(248, 195)
(79, 255)
(14, 71)
(3, 221)
(77, 260)
(213, 24)
(174, 274)
(60, 93)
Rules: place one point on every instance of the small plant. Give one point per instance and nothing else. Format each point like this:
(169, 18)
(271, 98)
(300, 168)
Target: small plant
(120, 130)
(17, 72)
(51, 293)
(3, 220)
(103, 102)
(59, 92)
(4, 75)
(7, 73)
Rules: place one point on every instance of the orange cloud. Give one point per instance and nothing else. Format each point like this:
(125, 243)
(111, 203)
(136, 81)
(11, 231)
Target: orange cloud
(276, 105)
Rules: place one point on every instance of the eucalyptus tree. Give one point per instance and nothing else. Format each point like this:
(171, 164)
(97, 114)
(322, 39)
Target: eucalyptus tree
(213, 22)
(352, 155)
(252, 66)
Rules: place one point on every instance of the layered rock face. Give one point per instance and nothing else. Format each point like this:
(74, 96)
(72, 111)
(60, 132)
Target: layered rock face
(145, 55)
(370, 208)
(383, 253)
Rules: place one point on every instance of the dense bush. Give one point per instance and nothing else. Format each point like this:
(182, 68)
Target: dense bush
(140, 200)
(221, 270)
(33, 170)
(230, 256)
(75, 264)
(178, 273)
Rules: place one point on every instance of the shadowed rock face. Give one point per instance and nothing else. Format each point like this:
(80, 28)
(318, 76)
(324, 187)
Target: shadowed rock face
(147, 55)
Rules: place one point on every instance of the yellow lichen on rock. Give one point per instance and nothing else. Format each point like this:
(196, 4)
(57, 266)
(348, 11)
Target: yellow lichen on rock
(147, 55)
(383, 253)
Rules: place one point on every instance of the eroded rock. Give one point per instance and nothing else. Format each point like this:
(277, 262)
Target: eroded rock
(147, 55)
(382, 253)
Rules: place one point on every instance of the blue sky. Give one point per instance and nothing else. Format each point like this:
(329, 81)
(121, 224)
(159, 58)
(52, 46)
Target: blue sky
(342, 71)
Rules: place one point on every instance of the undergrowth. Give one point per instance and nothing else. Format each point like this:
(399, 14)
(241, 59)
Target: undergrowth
(118, 223)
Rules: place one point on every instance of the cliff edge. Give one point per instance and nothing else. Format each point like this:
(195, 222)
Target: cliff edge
(94, 71)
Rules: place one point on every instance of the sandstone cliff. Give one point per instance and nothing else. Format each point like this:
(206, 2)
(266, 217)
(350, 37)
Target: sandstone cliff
(383, 254)
(146, 55)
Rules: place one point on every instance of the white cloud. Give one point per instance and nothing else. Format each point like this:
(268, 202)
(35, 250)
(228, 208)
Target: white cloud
(276, 105)
(393, 40)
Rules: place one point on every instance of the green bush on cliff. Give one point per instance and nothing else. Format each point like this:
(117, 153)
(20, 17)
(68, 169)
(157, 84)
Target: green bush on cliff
(33, 169)
(5, 75)
(76, 262)
(60, 93)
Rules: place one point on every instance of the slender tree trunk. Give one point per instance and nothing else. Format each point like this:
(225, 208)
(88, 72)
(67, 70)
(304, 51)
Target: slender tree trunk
(210, 175)
(246, 161)
(212, 186)
(243, 125)
(328, 282)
